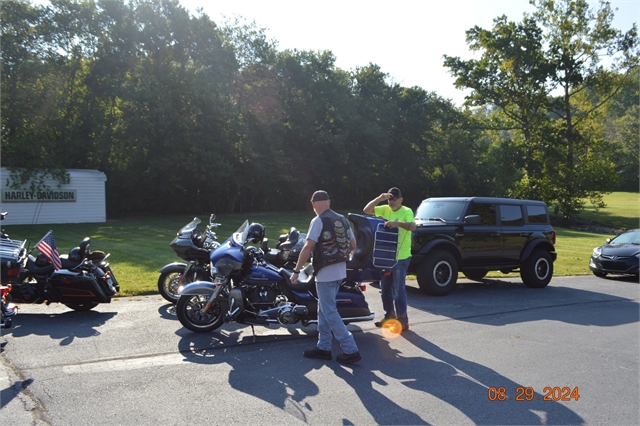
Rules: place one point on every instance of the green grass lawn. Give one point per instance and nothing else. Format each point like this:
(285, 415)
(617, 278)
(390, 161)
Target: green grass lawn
(622, 211)
(140, 247)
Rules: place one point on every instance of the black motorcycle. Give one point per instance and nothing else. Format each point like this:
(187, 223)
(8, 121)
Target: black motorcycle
(193, 246)
(285, 254)
(13, 254)
(84, 281)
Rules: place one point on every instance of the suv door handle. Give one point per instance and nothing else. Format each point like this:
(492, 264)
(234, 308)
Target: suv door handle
(525, 234)
(496, 234)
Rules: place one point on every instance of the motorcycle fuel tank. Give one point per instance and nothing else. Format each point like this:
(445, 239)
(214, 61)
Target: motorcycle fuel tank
(261, 275)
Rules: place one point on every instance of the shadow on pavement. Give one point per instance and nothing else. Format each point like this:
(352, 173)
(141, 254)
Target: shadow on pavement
(65, 326)
(287, 382)
(484, 302)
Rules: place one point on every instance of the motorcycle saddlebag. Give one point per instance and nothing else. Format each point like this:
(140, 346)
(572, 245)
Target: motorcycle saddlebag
(77, 287)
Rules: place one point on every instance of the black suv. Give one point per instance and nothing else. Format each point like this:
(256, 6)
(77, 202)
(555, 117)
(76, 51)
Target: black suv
(476, 235)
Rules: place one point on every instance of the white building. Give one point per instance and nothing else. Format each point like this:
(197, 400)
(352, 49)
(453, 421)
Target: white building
(81, 200)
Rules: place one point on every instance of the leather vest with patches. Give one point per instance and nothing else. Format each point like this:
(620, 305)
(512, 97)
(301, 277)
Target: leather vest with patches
(333, 245)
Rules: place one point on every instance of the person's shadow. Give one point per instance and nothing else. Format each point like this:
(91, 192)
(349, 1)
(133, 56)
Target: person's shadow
(257, 369)
(287, 382)
(10, 393)
(460, 383)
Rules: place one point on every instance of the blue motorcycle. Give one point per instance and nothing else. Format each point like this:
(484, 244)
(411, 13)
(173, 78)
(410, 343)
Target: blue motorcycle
(246, 289)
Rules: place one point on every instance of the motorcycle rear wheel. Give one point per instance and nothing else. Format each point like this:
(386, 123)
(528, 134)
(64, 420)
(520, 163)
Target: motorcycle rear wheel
(81, 307)
(189, 312)
(169, 282)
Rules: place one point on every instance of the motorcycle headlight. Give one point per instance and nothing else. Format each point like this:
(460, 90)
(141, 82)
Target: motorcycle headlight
(597, 252)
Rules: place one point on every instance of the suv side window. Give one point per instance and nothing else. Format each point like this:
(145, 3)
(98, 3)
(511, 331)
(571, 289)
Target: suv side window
(537, 214)
(511, 215)
(487, 213)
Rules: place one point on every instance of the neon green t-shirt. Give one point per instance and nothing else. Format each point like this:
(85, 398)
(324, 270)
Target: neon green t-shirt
(403, 214)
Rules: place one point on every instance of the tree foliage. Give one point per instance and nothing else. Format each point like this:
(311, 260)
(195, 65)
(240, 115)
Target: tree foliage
(547, 80)
(184, 115)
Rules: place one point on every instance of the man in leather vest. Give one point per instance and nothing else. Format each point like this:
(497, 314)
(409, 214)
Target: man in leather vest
(330, 240)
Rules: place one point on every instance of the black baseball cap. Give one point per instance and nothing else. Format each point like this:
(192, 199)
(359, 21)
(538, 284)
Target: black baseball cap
(320, 196)
(395, 192)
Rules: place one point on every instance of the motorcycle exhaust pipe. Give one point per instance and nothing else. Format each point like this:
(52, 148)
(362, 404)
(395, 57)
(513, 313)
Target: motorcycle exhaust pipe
(369, 317)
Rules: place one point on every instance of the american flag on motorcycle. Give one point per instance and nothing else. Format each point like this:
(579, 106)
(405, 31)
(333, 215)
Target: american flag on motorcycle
(47, 246)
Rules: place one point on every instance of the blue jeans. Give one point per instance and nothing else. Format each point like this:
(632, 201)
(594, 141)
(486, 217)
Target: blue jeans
(394, 293)
(329, 319)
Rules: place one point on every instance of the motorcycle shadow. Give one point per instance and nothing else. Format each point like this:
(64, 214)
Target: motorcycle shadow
(210, 348)
(168, 311)
(65, 326)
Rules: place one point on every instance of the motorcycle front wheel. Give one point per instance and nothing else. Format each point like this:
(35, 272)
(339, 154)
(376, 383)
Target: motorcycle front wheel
(169, 283)
(190, 312)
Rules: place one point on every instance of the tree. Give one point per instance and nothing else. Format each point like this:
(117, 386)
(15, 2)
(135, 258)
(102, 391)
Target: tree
(511, 75)
(521, 69)
(578, 39)
(622, 124)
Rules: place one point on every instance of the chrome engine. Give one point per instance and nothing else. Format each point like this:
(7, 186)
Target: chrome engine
(266, 303)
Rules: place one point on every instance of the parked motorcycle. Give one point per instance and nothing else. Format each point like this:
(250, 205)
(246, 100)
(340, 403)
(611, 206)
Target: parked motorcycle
(7, 309)
(195, 247)
(285, 254)
(13, 254)
(249, 290)
(84, 281)
(2, 233)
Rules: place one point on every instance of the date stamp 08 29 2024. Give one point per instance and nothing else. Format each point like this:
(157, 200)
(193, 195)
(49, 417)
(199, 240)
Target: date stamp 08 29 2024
(555, 393)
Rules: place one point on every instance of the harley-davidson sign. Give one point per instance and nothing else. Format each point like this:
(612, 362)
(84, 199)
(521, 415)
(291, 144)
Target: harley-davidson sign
(25, 196)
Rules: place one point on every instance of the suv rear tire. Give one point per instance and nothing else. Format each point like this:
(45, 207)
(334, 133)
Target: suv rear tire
(537, 270)
(438, 273)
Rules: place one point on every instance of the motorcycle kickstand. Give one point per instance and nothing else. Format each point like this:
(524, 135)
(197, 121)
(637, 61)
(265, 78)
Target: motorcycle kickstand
(253, 330)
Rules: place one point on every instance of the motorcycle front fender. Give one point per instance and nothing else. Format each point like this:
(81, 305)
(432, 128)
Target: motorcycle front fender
(171, 266)
(197, 288)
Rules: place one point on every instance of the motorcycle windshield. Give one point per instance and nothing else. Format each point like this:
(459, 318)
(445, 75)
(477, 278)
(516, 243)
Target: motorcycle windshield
(189, 226)
(229, 256)
(240, 236)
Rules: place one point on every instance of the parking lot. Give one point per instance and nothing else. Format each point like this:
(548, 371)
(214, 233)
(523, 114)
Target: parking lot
(495, 352)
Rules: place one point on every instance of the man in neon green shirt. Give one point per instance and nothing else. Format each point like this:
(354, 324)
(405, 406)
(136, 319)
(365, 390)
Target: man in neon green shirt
(393, 287)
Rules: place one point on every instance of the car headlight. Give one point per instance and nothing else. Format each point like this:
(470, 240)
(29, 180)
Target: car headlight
(596, 252)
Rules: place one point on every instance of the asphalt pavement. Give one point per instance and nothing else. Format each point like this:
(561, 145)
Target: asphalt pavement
(494, 352)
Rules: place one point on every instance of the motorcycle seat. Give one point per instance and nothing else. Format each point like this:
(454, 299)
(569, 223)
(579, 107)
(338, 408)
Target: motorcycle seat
(83, 246)
(67, 263)
(306, 280)
(39, 270)
(290, 241)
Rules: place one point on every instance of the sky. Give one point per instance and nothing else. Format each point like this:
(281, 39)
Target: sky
(405, 38)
